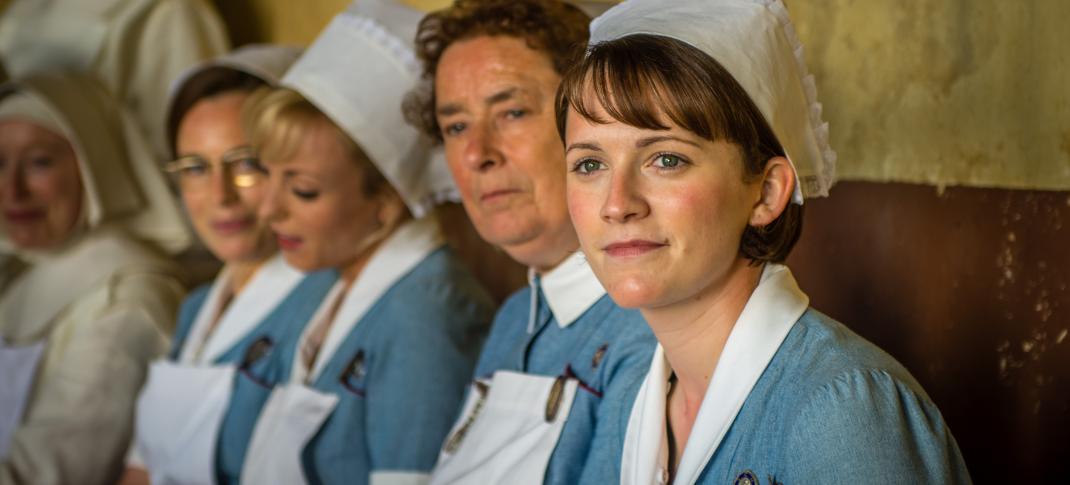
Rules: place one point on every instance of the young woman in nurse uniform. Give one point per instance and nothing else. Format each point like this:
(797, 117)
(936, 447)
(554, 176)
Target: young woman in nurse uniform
(692, 133)
(197, 412)
(380, 369)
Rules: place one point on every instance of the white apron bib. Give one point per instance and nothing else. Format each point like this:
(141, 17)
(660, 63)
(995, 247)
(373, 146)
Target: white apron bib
(508, 432)
(179, 413)
(291, 417)
(181, 408)
(18, 365)
(295, 412)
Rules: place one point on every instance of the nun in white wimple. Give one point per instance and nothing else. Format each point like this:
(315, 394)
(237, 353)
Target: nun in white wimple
(380, 370)
(692, 134)
(87, 298)
(136, 48)
(196, 413)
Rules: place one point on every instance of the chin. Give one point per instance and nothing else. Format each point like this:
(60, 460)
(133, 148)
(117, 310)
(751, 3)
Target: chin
(632, 293)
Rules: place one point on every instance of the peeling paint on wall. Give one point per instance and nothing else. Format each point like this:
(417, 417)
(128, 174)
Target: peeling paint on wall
(944, 92)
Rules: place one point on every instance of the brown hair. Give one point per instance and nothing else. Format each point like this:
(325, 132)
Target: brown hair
(638, 79)
(277, 119)
(553, 27)
(211, 82)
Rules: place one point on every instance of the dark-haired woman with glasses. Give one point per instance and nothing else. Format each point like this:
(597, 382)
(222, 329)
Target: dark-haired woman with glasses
(197, 412)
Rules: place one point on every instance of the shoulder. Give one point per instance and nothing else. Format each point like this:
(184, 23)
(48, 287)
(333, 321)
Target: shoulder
(821, 353)
(860, 413)
(439, 289)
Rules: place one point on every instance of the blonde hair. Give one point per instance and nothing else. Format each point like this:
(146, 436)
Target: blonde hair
(276, 120)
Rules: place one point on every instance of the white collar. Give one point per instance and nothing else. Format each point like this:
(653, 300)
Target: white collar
(570, 288)
(770, 313)
(272, 282)
(33, 300)
(398, 255)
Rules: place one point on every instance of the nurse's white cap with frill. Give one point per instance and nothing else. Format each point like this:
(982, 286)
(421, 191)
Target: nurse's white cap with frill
(266, 62)
(756, 42)
(357, 72)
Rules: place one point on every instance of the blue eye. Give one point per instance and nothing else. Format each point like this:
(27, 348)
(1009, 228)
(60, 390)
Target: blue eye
(587, 166)
(515, 113)
(668, 160)
(452, 129)
(249, 165)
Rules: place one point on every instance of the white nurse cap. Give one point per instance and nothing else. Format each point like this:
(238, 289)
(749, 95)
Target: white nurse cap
(357, 72)
(756, 42)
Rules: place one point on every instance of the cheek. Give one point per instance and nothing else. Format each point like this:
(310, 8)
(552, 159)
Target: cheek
(196, 206)
(252, 197)
(584, 208)
(61, 193)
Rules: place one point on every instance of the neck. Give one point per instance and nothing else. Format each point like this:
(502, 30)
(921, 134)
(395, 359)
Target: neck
(241, 272)
(694, 331)
(351, 271)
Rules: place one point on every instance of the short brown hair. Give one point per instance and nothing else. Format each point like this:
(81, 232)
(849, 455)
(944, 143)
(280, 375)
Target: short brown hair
(214, 81)
(553, 27)
(640, 78)
(277, 119)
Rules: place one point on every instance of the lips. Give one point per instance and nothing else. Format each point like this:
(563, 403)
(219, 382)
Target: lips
(288, 243)
(496, 195)
(632, 248)
(23, 216)
(232, 226)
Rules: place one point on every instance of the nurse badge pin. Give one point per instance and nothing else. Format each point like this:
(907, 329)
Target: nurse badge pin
(746, 478)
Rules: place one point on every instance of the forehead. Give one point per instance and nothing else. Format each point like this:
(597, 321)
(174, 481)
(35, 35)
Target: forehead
(481, 66)
(16, 132)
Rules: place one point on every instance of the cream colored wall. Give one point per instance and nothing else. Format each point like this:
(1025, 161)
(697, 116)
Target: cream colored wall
(944, 92)
(941, 92)
(296, 22)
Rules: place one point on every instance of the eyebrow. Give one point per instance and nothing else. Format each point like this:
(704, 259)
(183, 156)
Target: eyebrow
(645, 142)
(499, 97)
(583, 146)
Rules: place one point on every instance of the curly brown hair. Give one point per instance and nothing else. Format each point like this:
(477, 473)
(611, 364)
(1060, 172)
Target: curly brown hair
(553, 27)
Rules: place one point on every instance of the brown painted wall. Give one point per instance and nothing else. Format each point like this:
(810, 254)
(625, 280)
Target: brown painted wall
(968, 289)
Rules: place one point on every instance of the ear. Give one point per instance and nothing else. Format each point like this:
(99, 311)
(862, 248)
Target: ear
(778, 185)
(391, 208)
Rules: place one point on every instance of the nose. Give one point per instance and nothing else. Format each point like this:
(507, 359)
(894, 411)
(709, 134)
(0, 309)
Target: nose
(625, 201)
(13, 182)
(272, 207)
(481, 149)
(223, 190)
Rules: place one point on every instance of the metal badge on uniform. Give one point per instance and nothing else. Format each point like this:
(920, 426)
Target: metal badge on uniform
(599, 355)
(553, 402)
(746, 478)
(352, 372)
(261, 347)
(356, 366)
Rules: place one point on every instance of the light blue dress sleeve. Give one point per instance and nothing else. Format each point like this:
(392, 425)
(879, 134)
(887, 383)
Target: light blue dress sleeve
(867, 426)
(416, 388)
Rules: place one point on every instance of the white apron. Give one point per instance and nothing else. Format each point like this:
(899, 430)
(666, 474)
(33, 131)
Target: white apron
(770, 313)
(509, 430)
(510, 425)
(181, 408)
(18, 365)
(295, 412)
